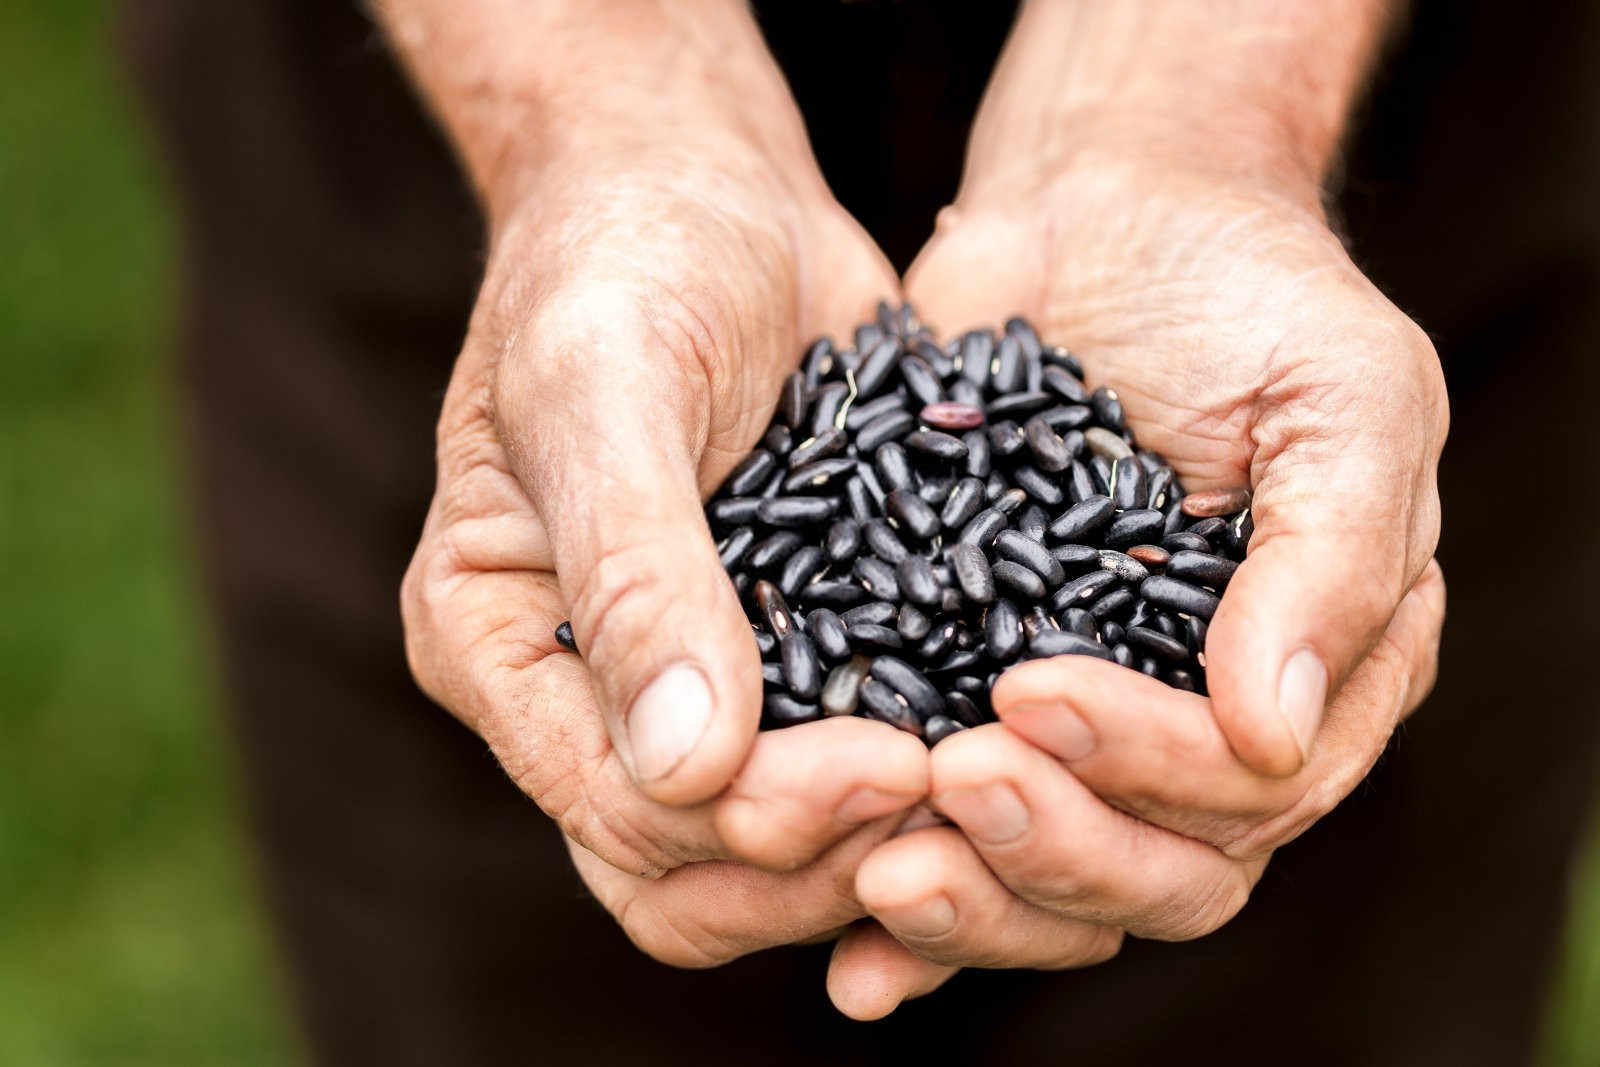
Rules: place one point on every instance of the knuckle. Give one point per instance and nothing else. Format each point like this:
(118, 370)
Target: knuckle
(613, 597)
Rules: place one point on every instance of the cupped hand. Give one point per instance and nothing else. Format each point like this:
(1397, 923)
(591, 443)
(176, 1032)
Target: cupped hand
(1249, 350)
(641, 306)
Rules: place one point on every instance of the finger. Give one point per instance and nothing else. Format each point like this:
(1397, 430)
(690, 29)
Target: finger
(1158, 753)
(931, 890)
(604, 422)
(1055, 844)
(939, 281)
(870, 974)
(1346, 516)
(705, 914)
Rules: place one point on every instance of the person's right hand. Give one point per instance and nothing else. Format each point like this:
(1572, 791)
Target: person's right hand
(644, 299)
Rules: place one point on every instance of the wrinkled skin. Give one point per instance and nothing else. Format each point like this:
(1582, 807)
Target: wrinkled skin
(1249, 350)
(637, 318)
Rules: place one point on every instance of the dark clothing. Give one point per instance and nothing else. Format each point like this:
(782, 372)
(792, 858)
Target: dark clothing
(429, 912)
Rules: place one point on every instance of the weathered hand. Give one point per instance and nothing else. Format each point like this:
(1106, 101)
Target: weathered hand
(642, 304)
(1249, 350)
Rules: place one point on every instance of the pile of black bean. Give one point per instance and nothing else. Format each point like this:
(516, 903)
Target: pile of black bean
(921, 516)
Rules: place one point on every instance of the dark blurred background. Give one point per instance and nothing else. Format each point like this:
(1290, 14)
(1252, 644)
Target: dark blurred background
(129, 924)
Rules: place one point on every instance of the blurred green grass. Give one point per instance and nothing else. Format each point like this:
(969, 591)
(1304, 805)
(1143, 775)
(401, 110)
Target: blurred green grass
(130, 933)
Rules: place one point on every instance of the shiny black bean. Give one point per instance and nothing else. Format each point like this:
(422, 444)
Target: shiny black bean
(751, 474)
(1005, 372)
(979, 457)
(1134, 528)
(965, 392)
(861, 504)
(777, 440)
(1083, 518)
(773, 550)
(917, 581)
(1067, 417)
(911, 513)
(825, 406)
(733, 548)
(1040, 486)
(1181, 679)
(1100, 471)
(1050, 453)
(1067, 643)
(733, 510)
(818, 362)
(1006, 438)
(1160, 482)
(834, 593)
(1166, 624)
(868, 334)
(1062, 358)
(1035, 619)
(1122, 654)
(1018, 578)
(792, 400)
(881, 702)
(1111, 631)
(1123, 565)
(950, 600)
(780, 709)
(1112, 604)
(564, 636)
(842, 541)
(892, 466)
(1018, 547)
(876, 613)
(939, 727)
(981, 529)
(935, 357)
(1236, 538)
(1108, 408)
(940, 640)
(912, 623)
(772, 676)
(882, 541)
(827, 631)
(1201, 568)
(1064, 384)
(794, 511)
(1002, 631)
(962, 709)
(1211, 529)
(1016, 405)
(871, 640)
(910, 683)
(920, 380)
(937, 445)
(977, 349)
(1080, 483)
(829, 442)
(1129, 481)
(1174, 595)
(819, 475)
(1184, 541)
(972, 571)
(770, 602)
(766, 644)
(964, 501)
(1150, 666)
(1075, 559)
(802, 669)
(994, 487)
(1027, 338)
(887, 411)
(1083, 590)
(801, 568)
(1079, 621)
(1157, 643)
(1009, 501)
(1175, 518)
(877, 578)
(1195, 633)
(873, 373)
(1033, 523)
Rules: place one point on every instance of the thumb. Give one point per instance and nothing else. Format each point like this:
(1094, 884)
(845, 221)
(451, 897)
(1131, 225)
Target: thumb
(609, 452)
(1340, 537)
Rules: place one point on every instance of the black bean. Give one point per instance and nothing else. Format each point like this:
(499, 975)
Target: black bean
(909, 683)
(818, 361)
(1180, 679)
(1178, 596)
(1020, 328)
(961, 707)
(892, 466)
(773, 550)
(1083, 590)
(801, 667)
(1016, 546)
(843, 540)
(564, 636)
(1064, 384)
(1083, 518)
(1002, 631)
(793, 511)
(1134, 527)
(819, 475)
(1067, 416)
(1195, 633)
(1067, 643)
(875, 613)
(875, 367)
(780, 709)
(842, 689)
(1009, 501)
(792, 400)
(1033, 522)
(1166, 623)
(938, 445)
(1160, 482)
(1050, 453)
(777, 440)
(881, 702)
(871, 639)
(935, 357)
(1210, 529)
(917, 581)
(1039, 486)
(1018, 578)
(993, 487)
(772, 676)
(1111, 631)
(733, 510)
(949, 415)
(1112, 603)
(1075, 559)
(882, 541)
(1202, 568)
(963, 391)
(835, 594)
(912, 623)
(829, 442)
(1079, 621)
(1184, 541)
(751, 474)
(877, 578)
(964, 501)
(939, 727)
(907, 511)
(920, 380)
(827, 631)
(981, 529)
(972, 571)
(733, 548)
(766, 644)
(802, 567)
(868, 334)
(1080, 483)
(1108, 408)
(770, 602)
(1129, 481)
(941, 638)
(1150, 666)
(1123, 565)
(1016, 405)
(1006, 438)
(977, 349)
(1100, 470)
(1062, 358)
(1157, 643)
(979, 458)
(1005, 372)
(1122, 654)
(862, 506)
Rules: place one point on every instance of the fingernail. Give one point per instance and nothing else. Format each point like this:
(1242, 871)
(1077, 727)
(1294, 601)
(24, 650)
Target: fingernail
(991, 814)
(667, 720)
(868, 803)
(1302, 692)
(933, 917)
(1055, 728)
(921, 818)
